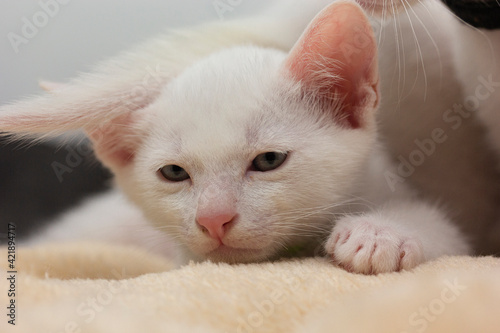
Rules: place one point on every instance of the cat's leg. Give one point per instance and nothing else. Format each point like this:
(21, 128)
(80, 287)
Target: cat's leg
(399, 235)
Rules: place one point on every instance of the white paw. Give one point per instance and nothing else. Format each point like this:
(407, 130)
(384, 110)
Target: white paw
(360, 245)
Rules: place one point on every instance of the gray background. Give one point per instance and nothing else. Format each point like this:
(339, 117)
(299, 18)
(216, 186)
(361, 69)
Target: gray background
(84, 32)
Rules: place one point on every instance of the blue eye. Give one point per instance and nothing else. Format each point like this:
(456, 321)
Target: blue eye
(269, 161)
(174, 173)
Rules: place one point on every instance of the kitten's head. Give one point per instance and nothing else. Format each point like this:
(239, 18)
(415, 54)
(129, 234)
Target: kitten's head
(249, 150)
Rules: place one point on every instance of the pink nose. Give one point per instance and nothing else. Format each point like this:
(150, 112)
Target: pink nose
(216, 224)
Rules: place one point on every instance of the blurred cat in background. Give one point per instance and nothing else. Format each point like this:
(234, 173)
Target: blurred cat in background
(476, 41)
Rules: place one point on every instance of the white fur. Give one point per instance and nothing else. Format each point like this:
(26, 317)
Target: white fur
(198, 112)
(108, 217)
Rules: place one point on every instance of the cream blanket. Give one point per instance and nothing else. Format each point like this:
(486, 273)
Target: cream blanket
(99, 288)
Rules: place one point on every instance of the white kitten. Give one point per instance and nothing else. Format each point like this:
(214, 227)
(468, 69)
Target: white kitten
(241, 152)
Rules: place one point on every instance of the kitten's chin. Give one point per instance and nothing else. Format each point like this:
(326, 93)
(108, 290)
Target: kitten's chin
(233, 255)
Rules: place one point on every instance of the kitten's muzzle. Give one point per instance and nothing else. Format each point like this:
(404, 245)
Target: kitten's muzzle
(216, 225)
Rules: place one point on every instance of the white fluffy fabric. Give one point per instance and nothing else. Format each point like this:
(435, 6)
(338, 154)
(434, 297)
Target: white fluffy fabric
(94, 287)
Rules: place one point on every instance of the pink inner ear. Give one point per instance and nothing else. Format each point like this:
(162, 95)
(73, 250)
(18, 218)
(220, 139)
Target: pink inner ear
(336, 61)
(116, 141)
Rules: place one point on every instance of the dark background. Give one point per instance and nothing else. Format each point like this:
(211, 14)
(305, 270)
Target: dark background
(31, 193)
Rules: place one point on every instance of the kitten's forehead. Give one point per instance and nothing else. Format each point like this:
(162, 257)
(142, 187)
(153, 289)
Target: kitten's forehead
(221, 105)
(226, 83)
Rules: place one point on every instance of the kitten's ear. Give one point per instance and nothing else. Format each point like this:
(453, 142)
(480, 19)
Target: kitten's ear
(108, 107)
(336, 62)
(83, 103)
(116, 142)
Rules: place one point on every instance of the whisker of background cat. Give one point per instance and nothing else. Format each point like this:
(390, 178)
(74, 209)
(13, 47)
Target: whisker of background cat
(419, 50)
(433, 41)
(400, 54)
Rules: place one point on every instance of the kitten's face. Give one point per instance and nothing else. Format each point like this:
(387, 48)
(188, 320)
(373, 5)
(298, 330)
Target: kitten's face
(241, 154)
(214, 121)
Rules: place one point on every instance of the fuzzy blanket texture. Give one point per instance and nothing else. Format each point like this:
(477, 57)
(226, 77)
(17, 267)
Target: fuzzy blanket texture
(91, 287)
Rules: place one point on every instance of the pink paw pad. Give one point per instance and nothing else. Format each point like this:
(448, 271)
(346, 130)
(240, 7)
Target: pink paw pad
(360, 246)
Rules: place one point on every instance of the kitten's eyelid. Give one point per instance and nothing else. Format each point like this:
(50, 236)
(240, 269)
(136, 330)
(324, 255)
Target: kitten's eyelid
(261, 163)
(271, 150)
